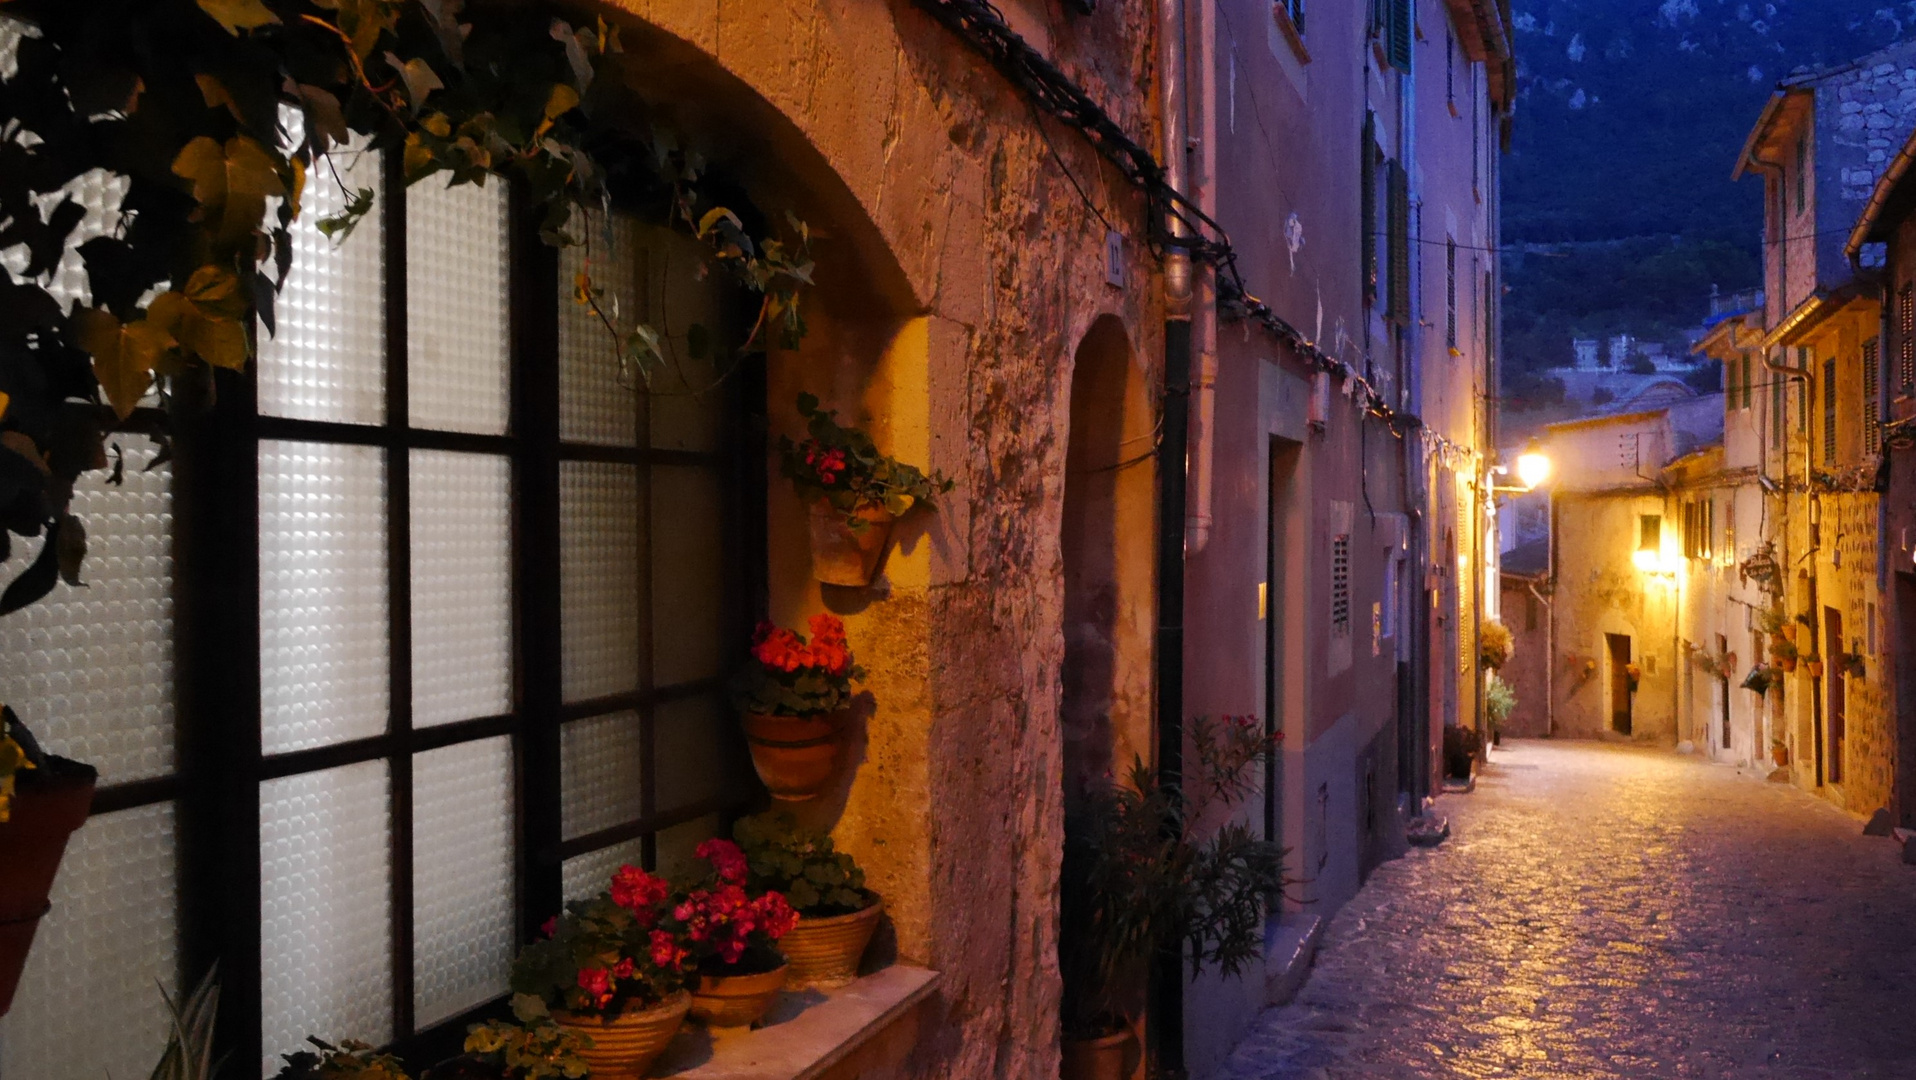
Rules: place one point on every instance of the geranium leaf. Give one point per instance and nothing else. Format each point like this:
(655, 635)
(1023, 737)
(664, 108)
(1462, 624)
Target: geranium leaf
(237, 15)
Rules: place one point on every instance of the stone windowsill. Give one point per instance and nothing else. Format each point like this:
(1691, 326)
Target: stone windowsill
(805, 1033)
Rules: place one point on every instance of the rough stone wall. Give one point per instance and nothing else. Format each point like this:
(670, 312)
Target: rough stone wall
(1527, 670)
(985, 268)
(1600, 592)
(1863, 117)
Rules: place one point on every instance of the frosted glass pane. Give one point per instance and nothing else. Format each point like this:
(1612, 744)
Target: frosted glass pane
(677, 847)
(325, 908)
(461, 586)
(462, 876)
(599, 772)
(328, 359)
(324, 635)
(91, 670)
(598, 578)
(99, 193)
(456, 332)
(89, 1003)
(591, 873)
(697, 760)
(597, 405)
(689, 571)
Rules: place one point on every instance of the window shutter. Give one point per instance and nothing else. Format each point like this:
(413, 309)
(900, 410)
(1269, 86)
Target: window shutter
(1398, 32)
(1906, 339)
(1829, 411)
(1450, 293)
(1399, 225)
(1367, 210)
(1872, 397)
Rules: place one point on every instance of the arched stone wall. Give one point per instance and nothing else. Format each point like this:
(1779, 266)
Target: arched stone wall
(958, 266)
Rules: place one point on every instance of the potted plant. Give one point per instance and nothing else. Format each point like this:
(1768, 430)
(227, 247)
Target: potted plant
(1760, 679)
(1139, 873)
(1500, 700)
(1461, 747)
(1779, 752)
(43, 799)
(1494, 644)
(1635, 674)
(1783, 654)
(1850, 665)
(529, 1047)
(837, 915)
(349, 1060)
(732, 940)
(854, 494)
(613, 969)
(1813, 665)
(795, 696)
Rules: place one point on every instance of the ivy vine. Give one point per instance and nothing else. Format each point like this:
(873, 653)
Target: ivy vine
(181, 106)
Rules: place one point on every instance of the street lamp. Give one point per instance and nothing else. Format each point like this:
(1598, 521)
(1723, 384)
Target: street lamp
(1533, 466)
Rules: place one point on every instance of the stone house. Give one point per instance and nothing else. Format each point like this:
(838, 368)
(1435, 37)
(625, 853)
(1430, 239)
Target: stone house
(464, 647)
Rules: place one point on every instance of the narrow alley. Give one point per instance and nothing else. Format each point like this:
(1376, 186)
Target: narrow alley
(1602, 911)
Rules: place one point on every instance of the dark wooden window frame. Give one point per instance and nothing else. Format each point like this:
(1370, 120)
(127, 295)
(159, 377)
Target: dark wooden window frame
(220, 760)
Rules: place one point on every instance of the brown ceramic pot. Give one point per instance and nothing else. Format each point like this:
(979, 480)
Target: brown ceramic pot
(624, 1046)
(1814, 667)
(796, 756)
(736, 1000)
(1780, 755)
(842, 554)
(1787, 663)
(826, 951)
(48, 805)
(1111, 1057)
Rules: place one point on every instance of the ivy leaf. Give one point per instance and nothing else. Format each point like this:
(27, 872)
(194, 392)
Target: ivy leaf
(231, 183)
(419, 77)
(325, 121)
(217, 96)
(38, 578)
(237, 15)
(337, 227)
(70, 550)
(124, 355)
(562, 100)
(215, 289)
(574, 53)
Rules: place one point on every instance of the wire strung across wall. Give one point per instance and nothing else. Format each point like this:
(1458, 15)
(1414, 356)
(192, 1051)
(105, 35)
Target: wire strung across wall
(982, 27)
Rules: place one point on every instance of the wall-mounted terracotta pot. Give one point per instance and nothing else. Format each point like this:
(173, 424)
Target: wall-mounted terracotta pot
(48, 805)
(1787, 663)
(1814, 667)
(796, 756)
(826, 951)
(1111, 1057)
(736, 1000)
(623, 1046)
(843, 554)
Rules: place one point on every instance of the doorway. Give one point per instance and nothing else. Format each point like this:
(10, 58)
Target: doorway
(1723, 687)
(1834, 686)
(1620, 690)
(1282, 546)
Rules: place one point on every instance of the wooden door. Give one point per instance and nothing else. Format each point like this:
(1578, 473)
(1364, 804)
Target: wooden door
(1619, 645)
(1723, 687)
(1833, 645)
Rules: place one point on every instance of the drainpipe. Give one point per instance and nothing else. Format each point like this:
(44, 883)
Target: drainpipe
(1165, 1014)
(1200, 145)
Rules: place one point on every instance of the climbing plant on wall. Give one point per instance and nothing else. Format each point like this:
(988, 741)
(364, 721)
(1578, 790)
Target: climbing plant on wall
(182, 107)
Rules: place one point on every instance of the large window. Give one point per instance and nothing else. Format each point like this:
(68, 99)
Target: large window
(458, 594)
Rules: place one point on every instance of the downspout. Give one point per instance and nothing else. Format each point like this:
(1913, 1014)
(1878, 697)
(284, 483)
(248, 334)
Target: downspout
(1550, 673)
(1200, 144)
(1165, 1014)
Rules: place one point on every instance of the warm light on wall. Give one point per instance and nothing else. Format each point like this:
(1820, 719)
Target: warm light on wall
(1533, 467)
(1647, 560)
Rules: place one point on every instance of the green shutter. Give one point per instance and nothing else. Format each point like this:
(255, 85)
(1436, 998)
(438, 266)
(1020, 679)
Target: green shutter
(1367, 211)
(1398, 31)
(1399, 224)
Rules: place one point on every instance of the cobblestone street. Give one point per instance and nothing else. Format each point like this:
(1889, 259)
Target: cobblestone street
(1608, 912)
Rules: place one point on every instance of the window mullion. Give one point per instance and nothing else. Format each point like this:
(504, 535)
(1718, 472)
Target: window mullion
(399, 593)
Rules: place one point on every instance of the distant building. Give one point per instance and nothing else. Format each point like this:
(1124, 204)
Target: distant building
(1586, 350)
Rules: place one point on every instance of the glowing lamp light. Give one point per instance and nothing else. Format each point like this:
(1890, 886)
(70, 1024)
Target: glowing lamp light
(1647, 561)
(1533, 467)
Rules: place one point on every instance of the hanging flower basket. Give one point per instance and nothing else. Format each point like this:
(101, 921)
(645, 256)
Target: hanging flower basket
(795, 696)
(854, 493)
(795, 756)
(846, 547)
(1759, 679)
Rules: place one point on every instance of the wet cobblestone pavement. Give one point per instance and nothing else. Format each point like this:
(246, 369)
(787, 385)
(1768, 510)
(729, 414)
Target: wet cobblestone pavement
(1611, 912)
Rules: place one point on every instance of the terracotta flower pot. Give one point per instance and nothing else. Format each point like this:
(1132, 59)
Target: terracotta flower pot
(736, 1000)
(48, 805)
(1111, 1057)
(1814, 667)
(796, 756)
(1780, 755)
(1787, 663)
(623, 1046)
(841, 554)
(826, 951)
